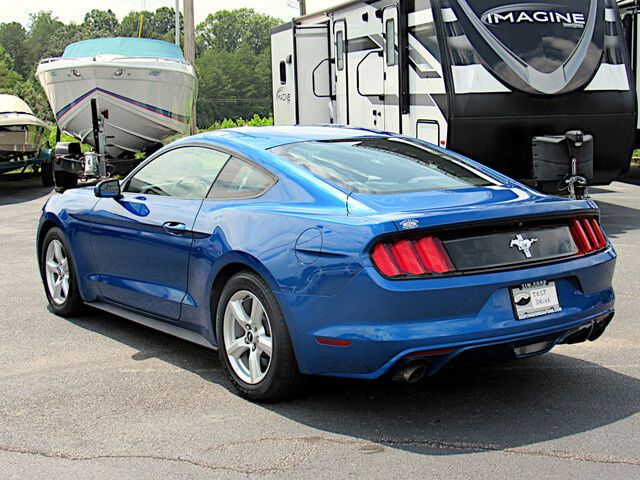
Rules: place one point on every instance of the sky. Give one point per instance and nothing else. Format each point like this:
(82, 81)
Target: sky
(74, 10)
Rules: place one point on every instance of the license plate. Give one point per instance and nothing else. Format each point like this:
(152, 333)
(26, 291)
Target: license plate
(535, 299)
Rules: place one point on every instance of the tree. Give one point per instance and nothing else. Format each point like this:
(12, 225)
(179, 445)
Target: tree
(159, 24)
(103, 23)
(47, 37)
(13, 38)
(233, 84)
(228, 30)
(164, 24)
(9, 78)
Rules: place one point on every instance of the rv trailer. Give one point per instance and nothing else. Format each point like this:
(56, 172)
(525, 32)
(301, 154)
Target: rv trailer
(631, 25)
(530, 89)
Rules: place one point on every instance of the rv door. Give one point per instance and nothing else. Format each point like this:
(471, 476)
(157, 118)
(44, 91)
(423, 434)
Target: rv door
(341, 69)
(391, 70)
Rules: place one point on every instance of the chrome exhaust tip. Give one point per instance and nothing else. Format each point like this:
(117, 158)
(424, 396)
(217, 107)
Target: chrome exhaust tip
(411, 374)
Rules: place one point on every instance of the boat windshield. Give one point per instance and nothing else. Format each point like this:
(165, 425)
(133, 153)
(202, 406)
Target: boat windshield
(125, 47)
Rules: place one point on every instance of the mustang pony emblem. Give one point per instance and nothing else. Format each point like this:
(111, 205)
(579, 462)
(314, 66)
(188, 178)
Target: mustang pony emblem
(524, 245)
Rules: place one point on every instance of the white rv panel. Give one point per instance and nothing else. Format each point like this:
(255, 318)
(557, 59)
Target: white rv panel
(283, 77)
(313, 74)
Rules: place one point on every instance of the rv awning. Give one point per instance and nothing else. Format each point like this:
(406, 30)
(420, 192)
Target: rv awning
(126, 47)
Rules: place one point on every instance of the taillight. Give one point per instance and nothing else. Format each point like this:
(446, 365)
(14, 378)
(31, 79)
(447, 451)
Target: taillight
(425, 256)
(587, 234)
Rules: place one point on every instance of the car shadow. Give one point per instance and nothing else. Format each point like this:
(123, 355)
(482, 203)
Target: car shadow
(632, 176)
(21, 191)
(461, 410)
(618, 219)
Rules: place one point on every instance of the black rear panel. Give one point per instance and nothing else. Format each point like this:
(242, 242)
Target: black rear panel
(494, 129)
(511, 248)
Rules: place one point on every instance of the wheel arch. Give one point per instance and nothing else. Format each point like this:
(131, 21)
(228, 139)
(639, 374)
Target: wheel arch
(46, 224)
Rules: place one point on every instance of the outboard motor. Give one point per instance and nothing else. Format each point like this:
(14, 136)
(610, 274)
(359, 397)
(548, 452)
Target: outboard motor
(566, 159)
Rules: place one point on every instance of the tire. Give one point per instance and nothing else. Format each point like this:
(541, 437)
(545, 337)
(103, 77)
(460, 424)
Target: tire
(46, 174)
(54, 247)
(65, 181)
(275, 379)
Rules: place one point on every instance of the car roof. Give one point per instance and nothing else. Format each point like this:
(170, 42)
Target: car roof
(264, 138)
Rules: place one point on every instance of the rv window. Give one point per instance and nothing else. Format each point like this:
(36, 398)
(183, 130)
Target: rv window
(390, 42)
(283, 73)
(340, 50)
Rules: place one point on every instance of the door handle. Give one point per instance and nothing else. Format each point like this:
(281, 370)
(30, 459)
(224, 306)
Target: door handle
(174, 228)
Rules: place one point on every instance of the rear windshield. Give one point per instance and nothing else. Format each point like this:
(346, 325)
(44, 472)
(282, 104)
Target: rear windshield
(382, 165)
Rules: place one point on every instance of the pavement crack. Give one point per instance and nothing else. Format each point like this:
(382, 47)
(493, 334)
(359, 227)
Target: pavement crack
(197, 463)
(482, 447)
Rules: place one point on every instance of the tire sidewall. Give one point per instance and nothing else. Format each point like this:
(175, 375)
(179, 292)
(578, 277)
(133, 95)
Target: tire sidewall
(73, 300)
(282, 355)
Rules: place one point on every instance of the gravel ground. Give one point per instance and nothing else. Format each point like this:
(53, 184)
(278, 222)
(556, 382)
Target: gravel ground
(98, 397)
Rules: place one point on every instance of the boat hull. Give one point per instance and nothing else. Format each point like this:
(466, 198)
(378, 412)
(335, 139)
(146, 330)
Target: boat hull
(142, 101)
(19, 140)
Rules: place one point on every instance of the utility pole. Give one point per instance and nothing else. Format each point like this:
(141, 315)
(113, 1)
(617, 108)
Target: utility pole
(303, 7)
(177, 28)
(190, 48)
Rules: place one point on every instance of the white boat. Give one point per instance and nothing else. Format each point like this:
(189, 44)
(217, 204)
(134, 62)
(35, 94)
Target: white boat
(21, 132)
(144, 91)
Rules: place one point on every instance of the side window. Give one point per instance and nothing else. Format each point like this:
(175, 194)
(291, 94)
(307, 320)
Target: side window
(186, 172)
(340, 50)
(240, 179)
(390, 42)
(283, 73)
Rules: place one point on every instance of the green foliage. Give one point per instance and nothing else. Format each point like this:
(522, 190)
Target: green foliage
(228, 30)
(101, 23)
(255, 121)
(13, 37)
(64, 138)
(234, 65)
(159, 24)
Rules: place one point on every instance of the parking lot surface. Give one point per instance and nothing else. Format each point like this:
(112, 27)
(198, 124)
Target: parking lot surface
(99, 397)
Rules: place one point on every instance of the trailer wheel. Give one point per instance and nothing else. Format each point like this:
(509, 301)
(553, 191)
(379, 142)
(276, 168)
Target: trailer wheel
(46, 174)
(65, 181)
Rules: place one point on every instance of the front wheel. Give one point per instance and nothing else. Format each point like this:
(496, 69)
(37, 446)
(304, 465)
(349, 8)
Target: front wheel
(58, 275)
(253, 340)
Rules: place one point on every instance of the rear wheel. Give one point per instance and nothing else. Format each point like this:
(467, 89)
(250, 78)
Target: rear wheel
(58, 275)
(253, 341)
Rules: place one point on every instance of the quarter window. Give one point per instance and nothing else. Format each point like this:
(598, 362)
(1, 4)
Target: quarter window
(240, 179)
(186, 172)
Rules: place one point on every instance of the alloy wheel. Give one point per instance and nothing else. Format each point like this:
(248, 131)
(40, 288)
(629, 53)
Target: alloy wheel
(57, 272)
(247, 337)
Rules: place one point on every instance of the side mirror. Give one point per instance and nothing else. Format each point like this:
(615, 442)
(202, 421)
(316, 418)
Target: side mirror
(108, 189)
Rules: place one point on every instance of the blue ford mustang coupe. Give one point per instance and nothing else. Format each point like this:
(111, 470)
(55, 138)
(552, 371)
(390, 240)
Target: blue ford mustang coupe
(330, 251)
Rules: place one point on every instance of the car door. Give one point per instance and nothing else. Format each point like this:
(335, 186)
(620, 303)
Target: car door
(142, 241)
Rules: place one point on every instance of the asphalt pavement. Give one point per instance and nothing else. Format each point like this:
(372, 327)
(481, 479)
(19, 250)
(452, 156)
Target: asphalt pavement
(99, 397)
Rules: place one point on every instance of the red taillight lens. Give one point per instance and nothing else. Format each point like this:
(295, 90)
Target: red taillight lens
(587, 234)
(412, 257)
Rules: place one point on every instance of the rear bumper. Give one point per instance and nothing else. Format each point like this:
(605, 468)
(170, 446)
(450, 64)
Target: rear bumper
(386, 320)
